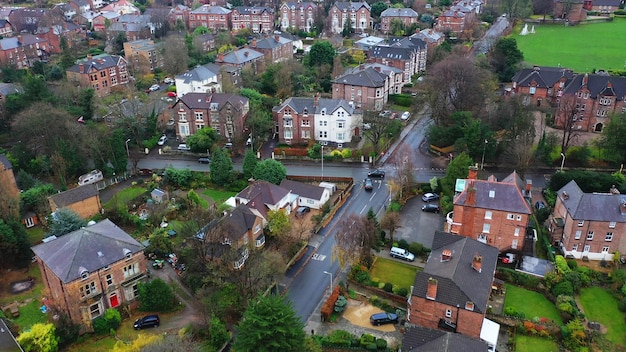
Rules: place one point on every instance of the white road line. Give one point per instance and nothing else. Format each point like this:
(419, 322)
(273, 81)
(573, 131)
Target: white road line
(362, 210)
(372, 197)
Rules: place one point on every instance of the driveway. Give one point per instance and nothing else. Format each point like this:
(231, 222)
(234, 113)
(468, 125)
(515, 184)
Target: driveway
(416, 225)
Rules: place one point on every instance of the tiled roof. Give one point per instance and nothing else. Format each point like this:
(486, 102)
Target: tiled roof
(197, 74)
(204, 100)
(598, 84)
(74, 195)
(210, 10)
(296, 5)
(271, 42)
(98, 62)
(458, 283)
(6, 164)
(545, 77)
(270, 193)
(419, 339)
(592, 206)
(303, 189)
(503, 196)
(614, 3)
(241, 56)
(90, 248)
(354, 6)
(330, 105)
(253, 10)
(390, 52)
(362, 77)
(404, 12)
(15, 42)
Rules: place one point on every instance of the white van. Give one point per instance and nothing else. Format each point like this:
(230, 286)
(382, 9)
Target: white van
(91, 177)
(400, 253)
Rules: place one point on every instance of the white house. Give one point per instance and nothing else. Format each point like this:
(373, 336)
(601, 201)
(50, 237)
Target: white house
(202, 79)
(308, 195)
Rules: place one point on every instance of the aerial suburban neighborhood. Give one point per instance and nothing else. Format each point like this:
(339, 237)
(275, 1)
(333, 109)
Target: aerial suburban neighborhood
(312, 176)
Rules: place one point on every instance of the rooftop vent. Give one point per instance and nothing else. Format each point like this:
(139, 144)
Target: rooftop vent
(446, 255)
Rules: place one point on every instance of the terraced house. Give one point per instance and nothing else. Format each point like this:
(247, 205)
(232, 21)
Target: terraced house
(297, 15)
(356, 14)
(211, 17)
(257, 19)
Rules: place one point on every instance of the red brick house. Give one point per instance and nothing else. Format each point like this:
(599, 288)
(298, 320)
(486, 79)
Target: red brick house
(257, 19)
(298, 15)
(591, 225)
(604, 7)
(358, 13)
(452, 292)
(407, 16)
(179, 13)
(90, 270)
(102, 72)
(406, 53)
(540, 85)
(211, 17)
(225, 113)
(5, 28)
(451, 21)
(23, 50)
(493, 212)
(571, 10)
(366, 86)
(83, 200)
(275, 48)
(243, 58)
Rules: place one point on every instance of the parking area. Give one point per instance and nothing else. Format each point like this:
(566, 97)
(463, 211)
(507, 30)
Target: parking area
(417, 225)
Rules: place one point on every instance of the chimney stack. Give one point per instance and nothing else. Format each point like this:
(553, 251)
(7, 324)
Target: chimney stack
(81, 68)
(529, 186)
(477, 262)
(277, 38)
(254, 43)
(316, 99)
(470, 198)
(431, 289)
(473, 173)
(220, 57)
(89, 57)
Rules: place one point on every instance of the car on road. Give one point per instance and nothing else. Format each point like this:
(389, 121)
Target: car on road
(147, 322)
(405, 116)
(431, 208)
(376, 173)
(204, 160)
(369, 185)
(154, 87)
(162, 140)
(183, 147)
(430, 197)
(301, 211)
(383, 318)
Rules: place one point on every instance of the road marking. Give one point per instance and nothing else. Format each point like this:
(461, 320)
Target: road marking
(362, 210)
(319, 257)
(372, 197)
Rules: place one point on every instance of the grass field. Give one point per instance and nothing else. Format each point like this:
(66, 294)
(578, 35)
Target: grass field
(398, 274)
(531, 303)
(581, 48)
(599, 305)
(218, 196)
(125, 196)
(525, 343)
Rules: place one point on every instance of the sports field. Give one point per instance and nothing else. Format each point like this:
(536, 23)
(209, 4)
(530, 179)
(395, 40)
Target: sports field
(581, 48)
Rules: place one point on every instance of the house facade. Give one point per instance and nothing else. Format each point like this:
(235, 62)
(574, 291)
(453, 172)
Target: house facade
(144, 55)
(493, 212)
(301, 120)
(103, 73)
(571, 10)
(90, 270)
(588, 225)
(297, 15)
(366, 86)
(211, 17)
(406, 16)
(225, 113)
(407, 54)
(23, 50)
(275, 48)
(264, 197)
(202, 79)
(83, 200)
(256, 19)
(356, 13)
(452, 292)
(309, 195)
(243, 58)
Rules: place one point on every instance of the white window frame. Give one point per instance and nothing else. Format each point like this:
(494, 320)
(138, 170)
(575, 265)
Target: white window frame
(514, 244)
(486, 228)
(575, 247)
(488, 214)
(577, 235)
(612, 224)
(590, 236)
(510, 216)
(587, 248)
(605, 249)
(516, 232)
(131, 270)
(482, 238)
(448, 313)
(518, 217)
(609, 236)
(581, 223)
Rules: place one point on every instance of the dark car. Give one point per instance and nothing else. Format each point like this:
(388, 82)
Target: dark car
(383, 318)
(204, 160)
(145, 172)
(301, 211)
(540, 205)
(376, 173)
(429, 197)
(147, 322)
(431, 208)
(369, 185)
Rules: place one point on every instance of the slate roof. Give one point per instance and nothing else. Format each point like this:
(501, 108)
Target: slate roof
(298, 4)
(271, 42)
(458, 283)
(7, 340)
(503, 196)
(598, 84)
(404, 12)
(197, 74)
(241, 56)
(90, 248)
(412, 42)
(363, 77)
(210, 10)
(5, 162)
(545, 77)
(3, 23)
(390, 52)
(375, 65)
(331, 105)
(429, 35)
(269, 193)
(303, 189)
(74, 195)
(354, 6)
(10, 88)
(592, 206)
(419, 339)
(98, 62)
(15, 42)
(204, 100)
(253, 10)
(614, 3)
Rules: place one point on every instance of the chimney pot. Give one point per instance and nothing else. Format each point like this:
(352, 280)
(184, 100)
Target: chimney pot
(277, 38)
(431, 289)
(473, 173)
(477, 262)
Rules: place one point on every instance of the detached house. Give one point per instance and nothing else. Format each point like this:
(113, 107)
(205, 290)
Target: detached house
(297, 15)
(90, 270)
(102, 72)
(407, 16)
(225, 113)
(407, 54)
(368, 85)
(202, 79)
(308, 195)
(144, 55)
(275, 48)
(452, 292)
(356, 13)
(23, 50)
(83, 200)
(264, 196)
(588, 225)
(493, 212)
(333, 121)
(244, 58)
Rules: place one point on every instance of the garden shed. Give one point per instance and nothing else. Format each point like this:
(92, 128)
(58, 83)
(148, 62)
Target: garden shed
(158, 196)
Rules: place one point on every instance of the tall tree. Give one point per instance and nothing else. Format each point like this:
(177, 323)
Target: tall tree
(65, 220)
(175, 54)
(613, 140)
(390, 222)
(457, 168)
(67, 56)
(505, 58)
(14, 244)
(270, 170)
(322, 52)
(354, 239)
(269, 324)
(378, 8)
(278, 223)
(249, 163)
(221, 167)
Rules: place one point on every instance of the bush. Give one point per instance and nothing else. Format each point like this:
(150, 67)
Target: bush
(388, 287)
(338, 338)
(381, 344)
(572, 263)
(512, 312)
(401, 291)
(403, 244)
(563, 288)
(111, 320)
(156, 296)
(367, 339)
(329, 307)
(416, 248)
(622, 305)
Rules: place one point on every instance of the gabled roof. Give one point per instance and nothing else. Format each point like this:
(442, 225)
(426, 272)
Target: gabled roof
(328, 105)
(98, 62)
(303, 189)
(4, 161)
(75, 195)
(419, 339)
(404, 12)
(298, 4)
(353, 6)
(505, 195)
(16, 42)
(391, 52)
(429, 35)
(269, 193)
(197, 74)
(614, 3)
(458, 283)
(204, 100)
(241, 56)
(7, 340)
(253, 10)
(240, 220)
(88, 249)
(544, 76)
(363, 77)
(597, 84)
(592, 206)
(271, 42)
(210, 10)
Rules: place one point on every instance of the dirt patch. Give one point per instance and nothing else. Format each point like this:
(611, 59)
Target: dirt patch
(358, 313)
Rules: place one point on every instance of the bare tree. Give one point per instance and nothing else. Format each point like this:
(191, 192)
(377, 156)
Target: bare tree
(375, 127)
(175, 54)
(390, 222)
(354, 239)
(543, 7)
(568, 113)
(404, 166)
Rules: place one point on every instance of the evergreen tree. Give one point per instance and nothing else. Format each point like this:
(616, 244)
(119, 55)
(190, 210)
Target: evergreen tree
(221, 167)
(249, 163)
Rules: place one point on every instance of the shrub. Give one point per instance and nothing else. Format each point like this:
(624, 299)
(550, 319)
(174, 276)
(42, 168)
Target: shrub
(563, 288)
(401, 291)
(622, 305)
(111, 320)
(156, 296)
(403, 244)
(416, 248)
(572, 263)
(339, 338)
(388, 287)
(381, 344)
(329, 307)
(367, 339)
(512, 312)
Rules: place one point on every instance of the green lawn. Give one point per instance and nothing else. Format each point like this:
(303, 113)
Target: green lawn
(398, 274)
(525, 343)
(582, 48)
(30, 315)
(599, 305)
(35, 234)
(531, 303)
(218, 196)
(124, 196)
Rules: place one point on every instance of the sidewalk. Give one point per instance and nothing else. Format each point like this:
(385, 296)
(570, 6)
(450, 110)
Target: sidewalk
(417, 117)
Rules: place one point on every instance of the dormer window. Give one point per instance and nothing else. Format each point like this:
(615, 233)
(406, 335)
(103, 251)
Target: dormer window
(127, 253)
(226, 241)
(83, 273)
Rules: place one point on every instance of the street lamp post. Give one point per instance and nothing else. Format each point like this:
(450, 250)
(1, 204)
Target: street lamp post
(330, 288)
(322, 162)
(562, 161)
(127, 152)
(482, 161)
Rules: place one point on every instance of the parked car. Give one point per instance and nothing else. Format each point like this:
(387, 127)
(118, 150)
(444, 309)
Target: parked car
(540, 205)
(430, 197)
(147, 322)
(162, 140)
(405, 116)
(383, 318)
(369, 185)
(400, 253)
(183, 147)
(204, 160)
(431, 208)
(154, 87)
(168, 80)
(376, 173)
(301, 211)
(145, 172)
(171, 94)
(385, 113)
(393, 116)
